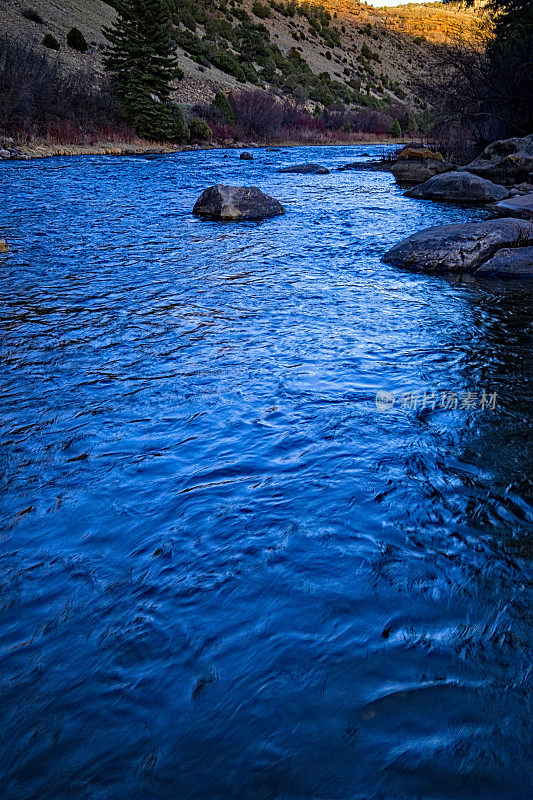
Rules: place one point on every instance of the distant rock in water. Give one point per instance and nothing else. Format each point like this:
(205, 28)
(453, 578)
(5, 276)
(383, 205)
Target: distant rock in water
(365, 166)
(521, 206)
(459, 247)
(4, 247)
(459, 187)
(417, 164)
(306, 169)
(246, 156)
(236, 203)
(507, 263)
(507, 161)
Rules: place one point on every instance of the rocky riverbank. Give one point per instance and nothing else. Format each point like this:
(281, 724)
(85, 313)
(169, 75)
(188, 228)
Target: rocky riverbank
(501, 179)
(17, 151)
(10, 150)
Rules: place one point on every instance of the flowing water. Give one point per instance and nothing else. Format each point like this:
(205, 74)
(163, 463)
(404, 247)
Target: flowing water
(225, 571)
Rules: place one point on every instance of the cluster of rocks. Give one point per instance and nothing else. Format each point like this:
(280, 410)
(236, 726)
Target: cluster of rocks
(8, 150)
(239, 203)
(500, 247)
(504, 170)
(235, 144)
(418, 164)
(508, 161)
(500, 179)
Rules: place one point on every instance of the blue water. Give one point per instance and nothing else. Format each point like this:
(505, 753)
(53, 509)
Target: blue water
(224, 572)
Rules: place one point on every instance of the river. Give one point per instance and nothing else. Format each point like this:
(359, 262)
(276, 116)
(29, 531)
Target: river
(226, 572)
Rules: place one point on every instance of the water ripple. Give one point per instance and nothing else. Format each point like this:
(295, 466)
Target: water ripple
(224, 572)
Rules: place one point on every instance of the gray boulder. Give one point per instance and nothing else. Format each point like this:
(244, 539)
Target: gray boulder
(462, 247)
(236, 203)
(519, 206)
(418, 164)
(307, 169)
(246, 156)
(507, 263)
(507, 161)
(459, 187)
(522, 188)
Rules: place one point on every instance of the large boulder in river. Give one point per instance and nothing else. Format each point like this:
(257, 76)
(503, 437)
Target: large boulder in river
(462, 247)
(459, 187)
(236, 203)
(306, 169)
(417, 164)
(519, 206)
(246, 156)
(507, 161)
(507, 263)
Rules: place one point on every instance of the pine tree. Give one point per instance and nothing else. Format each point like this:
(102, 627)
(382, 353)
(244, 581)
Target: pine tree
(141, 59)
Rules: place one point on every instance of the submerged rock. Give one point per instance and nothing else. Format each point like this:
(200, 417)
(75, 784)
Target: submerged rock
(236, 203)
(417, 164)
(307, 169)
(459, 187)
(507, 263)
(246, 156)
(460, 247)
(519, 206)
(506, 161)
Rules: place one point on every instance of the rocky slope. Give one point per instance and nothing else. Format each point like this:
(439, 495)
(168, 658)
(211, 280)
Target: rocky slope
(376, 54)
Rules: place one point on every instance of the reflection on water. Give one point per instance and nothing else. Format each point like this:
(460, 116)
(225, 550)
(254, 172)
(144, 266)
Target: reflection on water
(225, 573)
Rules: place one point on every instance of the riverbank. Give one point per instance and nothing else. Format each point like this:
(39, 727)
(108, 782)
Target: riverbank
(12, 150)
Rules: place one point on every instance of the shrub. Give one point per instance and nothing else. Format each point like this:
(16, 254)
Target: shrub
(249, 73)
(260, 10)
(32, 15)
(187, 18)
(37, 96)
(346, 127)
(395, 129)
(398, 91)
(179, 130)
(216, 28)
(191, 43)
(241, 14)
(51, 42)
(227, 62)
(199, 130)
(76, 40)
(221, 103)
(258, 113)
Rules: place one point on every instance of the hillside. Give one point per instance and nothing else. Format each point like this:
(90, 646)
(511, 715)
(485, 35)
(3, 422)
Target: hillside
(354, 66)
(345, 55)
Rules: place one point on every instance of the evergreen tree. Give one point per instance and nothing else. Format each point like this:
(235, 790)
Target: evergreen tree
(222, 104)
(141, 59)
